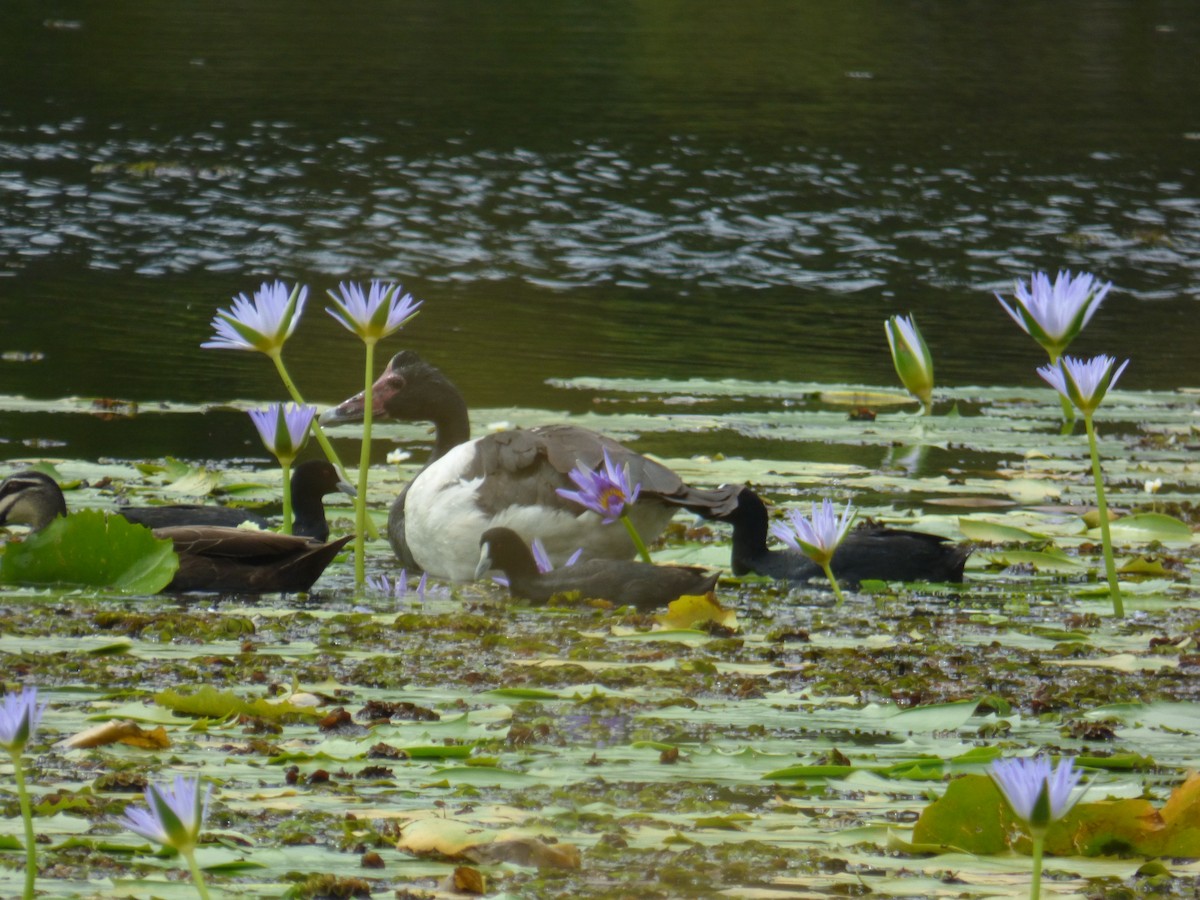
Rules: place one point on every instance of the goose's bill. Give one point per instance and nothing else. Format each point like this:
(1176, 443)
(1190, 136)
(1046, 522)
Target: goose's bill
(350, 411)
(348, 489)
(484, 564)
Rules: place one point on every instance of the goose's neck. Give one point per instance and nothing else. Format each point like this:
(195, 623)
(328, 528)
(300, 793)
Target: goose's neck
(451, 423)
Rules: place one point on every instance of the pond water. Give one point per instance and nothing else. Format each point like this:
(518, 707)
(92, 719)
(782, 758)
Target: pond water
(577, 189)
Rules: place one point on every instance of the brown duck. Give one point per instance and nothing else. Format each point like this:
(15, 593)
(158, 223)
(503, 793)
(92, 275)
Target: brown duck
(211, 557)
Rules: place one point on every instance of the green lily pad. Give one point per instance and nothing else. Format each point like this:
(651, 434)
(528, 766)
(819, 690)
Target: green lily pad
(994, 532)
(1149, 527)
(1053, 562)
(92, 549)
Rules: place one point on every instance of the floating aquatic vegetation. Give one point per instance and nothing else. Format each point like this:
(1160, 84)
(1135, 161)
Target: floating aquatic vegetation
(799, 753)
(92, 549)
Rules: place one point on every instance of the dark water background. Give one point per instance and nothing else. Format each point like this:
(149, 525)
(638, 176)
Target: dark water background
(583, 188)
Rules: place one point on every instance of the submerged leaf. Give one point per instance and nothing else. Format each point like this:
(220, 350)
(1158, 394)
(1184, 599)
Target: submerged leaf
(92, 549)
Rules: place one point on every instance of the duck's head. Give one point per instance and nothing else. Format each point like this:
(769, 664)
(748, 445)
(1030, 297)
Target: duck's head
(316, 478)
(409, 390)
(30, 498)
(503, 549)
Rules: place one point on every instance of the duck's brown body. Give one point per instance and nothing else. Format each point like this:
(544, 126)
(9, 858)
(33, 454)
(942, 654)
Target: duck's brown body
(211, 558)
(622, 581)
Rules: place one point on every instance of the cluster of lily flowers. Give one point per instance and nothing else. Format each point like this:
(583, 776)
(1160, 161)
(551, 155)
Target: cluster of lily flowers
(1053, 313)
(174, 814)
(263, 323)
(398, 588)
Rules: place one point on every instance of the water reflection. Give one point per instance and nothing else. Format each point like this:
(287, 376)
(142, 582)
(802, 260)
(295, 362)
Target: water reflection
(576, 190)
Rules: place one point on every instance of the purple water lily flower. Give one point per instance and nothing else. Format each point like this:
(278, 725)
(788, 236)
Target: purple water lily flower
(173, 816)
(398, 588)
(284, 427)
(606, 491)
(1053, 314)
(1083, 381)
(20, 715)
(1036, 794)
(816, 537)
(261, 324)
(373, 315)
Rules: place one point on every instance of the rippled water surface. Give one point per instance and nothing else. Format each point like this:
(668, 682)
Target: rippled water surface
(591, 189)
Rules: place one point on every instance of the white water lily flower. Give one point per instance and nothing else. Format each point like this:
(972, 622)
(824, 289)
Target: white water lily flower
(375, 314)
(1083, 381)
(261, 324)
(1053, 314)
(1037, 795)
(816, 537)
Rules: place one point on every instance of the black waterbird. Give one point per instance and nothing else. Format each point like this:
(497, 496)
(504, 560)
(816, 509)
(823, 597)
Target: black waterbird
(870, 552)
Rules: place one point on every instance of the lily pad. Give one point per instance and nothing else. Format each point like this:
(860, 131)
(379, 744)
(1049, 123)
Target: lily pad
(1146, 527)
(92, 549)
(995, 532)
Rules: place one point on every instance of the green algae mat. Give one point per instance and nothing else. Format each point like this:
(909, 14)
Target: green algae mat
(454, 741)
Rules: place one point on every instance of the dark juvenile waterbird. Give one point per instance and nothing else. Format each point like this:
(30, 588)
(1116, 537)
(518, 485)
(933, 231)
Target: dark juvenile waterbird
(311, 481)
(508, 479)
(211, 557)
(622, 581)
(870, 552)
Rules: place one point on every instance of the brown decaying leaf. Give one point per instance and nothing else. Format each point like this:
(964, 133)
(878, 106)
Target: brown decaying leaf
(526, 852)
(465, 880)
(123, 731)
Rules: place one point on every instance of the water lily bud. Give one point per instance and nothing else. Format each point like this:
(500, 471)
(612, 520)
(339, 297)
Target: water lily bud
(911, 356)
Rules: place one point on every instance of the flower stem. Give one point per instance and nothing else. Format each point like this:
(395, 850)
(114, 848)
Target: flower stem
(1068, 415)
(1068, 408)
(364, 465)
(636, 538)
(330, 453)
(27, 816)
(1035, 880)
(318, 431)
(1110, 567)
(287, 495)
(197, 875)
(837, 591)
